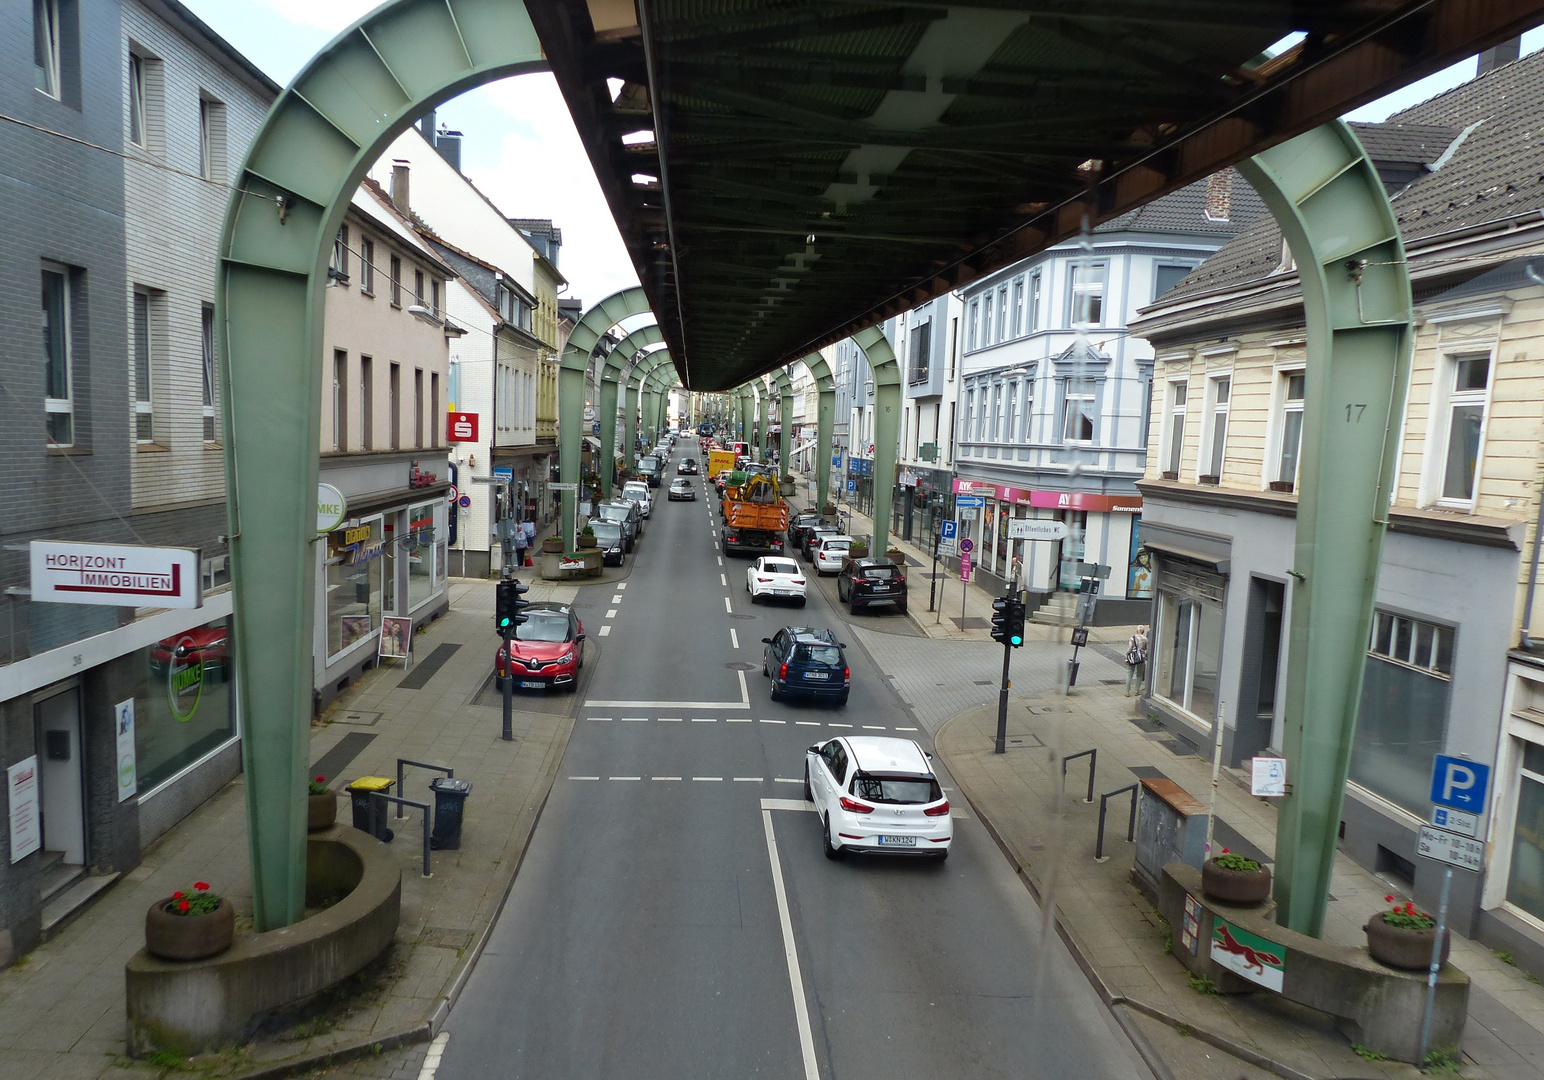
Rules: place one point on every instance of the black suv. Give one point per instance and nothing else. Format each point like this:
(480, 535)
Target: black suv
(865, 583)
(807, 663)
(798, 523)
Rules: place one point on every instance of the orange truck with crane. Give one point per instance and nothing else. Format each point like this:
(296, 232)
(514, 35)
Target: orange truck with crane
(755, 516)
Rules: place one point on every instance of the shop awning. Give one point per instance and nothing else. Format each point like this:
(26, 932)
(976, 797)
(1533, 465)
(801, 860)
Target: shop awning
(1204, 548)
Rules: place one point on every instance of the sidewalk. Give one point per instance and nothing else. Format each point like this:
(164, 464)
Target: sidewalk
(62, 1006)
(1118, 938)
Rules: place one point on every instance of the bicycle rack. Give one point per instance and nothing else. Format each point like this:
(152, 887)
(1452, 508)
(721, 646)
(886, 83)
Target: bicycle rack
(1131, 827)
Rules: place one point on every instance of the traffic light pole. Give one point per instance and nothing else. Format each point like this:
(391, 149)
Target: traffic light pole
(509, 689)
(1002, 702)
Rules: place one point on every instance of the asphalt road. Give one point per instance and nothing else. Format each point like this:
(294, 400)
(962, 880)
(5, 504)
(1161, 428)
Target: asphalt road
(675, 917)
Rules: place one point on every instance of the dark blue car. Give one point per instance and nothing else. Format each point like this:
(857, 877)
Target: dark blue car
(802, 662)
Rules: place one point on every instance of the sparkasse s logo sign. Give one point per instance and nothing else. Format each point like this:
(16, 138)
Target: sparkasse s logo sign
(461, 427)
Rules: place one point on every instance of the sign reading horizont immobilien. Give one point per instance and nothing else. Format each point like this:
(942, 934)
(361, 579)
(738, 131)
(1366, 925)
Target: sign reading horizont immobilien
(119, 575)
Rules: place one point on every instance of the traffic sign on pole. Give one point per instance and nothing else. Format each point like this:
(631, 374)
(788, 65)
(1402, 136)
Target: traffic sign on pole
(967, 545)
(948, 530)
(1459, 783)
(1464, 852)
(970, 500)
(1031, 529)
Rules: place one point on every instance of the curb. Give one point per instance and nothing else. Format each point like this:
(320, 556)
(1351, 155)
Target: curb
(1080, 956)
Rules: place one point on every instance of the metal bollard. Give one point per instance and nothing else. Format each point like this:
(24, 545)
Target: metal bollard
(1093, 756)
(1131, 827)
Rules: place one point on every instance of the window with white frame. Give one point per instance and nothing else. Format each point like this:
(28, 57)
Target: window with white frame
(138, 123)
(58, 356)
(1289, 429)
(46, 47)
(367, 266)
(1033, 313)
(1214, 433)
(145, 346)
(339, 399)
(339, 268)
(1085, 288)
(1018, 307)
(997, 412)
(1079, 418)
(1402, 718)
(1002, 314)
(1174, 429)
(1467, 381)
(1011, 433)
(206, 366)
(211, 138)
(973, 323)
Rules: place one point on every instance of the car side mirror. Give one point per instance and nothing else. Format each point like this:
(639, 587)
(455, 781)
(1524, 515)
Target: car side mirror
(766, 641)
(581, 637)
(927, 755)
(814, 748)
(843, 644)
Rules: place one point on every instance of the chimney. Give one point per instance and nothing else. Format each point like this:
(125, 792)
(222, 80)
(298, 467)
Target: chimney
(399, 194)
(426, 125)
(1219, 195)
(1497, 55)
(448, 143)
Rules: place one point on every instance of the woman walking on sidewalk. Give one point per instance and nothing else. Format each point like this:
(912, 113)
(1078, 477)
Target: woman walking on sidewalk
(1136, 661)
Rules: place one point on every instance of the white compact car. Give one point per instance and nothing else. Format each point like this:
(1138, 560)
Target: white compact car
(877, 795)
(638, 491)
(829, 555)
(774, 577)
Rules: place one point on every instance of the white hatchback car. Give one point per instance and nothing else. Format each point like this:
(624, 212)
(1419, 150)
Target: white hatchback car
(776, 577)
(830, 553)
(638, 491)
(877, 795)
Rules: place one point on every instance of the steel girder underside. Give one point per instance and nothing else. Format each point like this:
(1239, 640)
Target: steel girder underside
(800, 169)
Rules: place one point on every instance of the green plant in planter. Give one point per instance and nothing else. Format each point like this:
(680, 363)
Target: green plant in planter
(318, 786)
(587, 531)
(199, 902)
(1407, 916)
(1229, 861)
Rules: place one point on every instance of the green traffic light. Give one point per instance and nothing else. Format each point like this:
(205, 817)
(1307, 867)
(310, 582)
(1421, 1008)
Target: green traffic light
(1016, 639)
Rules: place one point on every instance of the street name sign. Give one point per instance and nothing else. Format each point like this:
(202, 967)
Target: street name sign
(115, 575)
(970, 500)
(1459, 783)
(1463, 852)
(562, 487)
(1455, 821)
(1030, 529)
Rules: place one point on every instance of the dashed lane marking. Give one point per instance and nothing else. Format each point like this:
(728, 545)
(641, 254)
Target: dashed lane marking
(872, 727)
(584, 778)
(669, 719)
(724, 581)
(807, 723)
(905, 729)
(734, 638)
(737, 720)
(666, 778)
(617, 599)
(748, 780)
(774, 721)
(611, 613)
(838, 725)
(605, 631)
(786, 780)
(600, 719)
(626, 778)
(709, 779)
(621, 586)
(727, 608)
(635, 719)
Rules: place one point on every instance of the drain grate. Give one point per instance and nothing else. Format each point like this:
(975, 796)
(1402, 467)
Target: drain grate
(740, 665)
(743, 618)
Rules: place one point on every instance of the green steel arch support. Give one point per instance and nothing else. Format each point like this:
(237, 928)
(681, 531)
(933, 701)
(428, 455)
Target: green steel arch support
(316, 144)
(606, 407)
(573, 368)
(637, 403)
(887, 422)
(785, 420)
(747, 412)
(825, 424)
(1332, 208)
(763, 417)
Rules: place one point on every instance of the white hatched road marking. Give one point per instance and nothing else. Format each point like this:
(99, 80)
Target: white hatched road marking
(611, 613)
(801, 1011)
(709, 779)
(605, 631)
(431, 1063)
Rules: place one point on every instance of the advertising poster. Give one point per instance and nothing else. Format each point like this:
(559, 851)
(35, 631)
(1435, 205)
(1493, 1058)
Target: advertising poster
(21, 789)
(396, 637)
(128, 780)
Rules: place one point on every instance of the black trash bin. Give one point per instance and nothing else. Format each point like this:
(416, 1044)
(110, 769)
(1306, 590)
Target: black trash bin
(449, 806)
(359, 795)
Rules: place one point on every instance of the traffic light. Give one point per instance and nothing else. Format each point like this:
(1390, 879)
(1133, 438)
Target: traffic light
(507, 606)
(1008, 621)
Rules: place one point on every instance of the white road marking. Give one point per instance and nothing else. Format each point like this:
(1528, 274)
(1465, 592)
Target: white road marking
(807, 723)
(626, 778)
(787, 804)
(724, 581)
(667, 778)
(774, 721)
(737, 720)
(872, 727)
(734, 638)
(621, 586)
(600, 719)
(605, 631)
(635, 719)
(431, 1063)
(720, 559)
(616, 599)
(834, 724)
(905, 729)
(709, 779)
(783, 780)
(957, 814)
(747, 780)
(611, 613)
(669, 719)
(584, 778)
(727, 608)
(801, 1012)
(704, 720)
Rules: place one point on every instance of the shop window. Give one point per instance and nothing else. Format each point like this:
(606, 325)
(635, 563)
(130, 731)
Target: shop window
(1189, 653)
(1402, 718)
(419, 550)
(182, 701)
(354, 566)
(1525, 877)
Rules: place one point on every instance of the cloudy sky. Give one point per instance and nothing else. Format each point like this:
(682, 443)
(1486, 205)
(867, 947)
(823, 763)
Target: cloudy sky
(520, 148)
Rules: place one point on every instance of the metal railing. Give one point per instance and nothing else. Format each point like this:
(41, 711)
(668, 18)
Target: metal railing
(1131, 826)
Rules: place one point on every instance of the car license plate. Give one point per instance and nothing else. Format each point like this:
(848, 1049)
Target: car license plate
(783, 592)
(817, 675)
(897, 841)
(532, 684)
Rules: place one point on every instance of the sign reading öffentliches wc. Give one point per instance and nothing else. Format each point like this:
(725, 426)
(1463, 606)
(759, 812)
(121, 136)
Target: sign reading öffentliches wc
(115, 574)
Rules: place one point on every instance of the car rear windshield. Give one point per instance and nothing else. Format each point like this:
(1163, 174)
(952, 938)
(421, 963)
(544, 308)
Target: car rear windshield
(607, 532)
(879, 573)
(779, 566)
(896, 789)
(836, 545)
(543, 626)
(615, 513)
(828, 655)
(636, 496)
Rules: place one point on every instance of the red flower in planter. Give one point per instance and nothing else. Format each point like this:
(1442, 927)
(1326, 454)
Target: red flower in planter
(1388, 899)
(183, 905)
(177, 895)
(201, 886)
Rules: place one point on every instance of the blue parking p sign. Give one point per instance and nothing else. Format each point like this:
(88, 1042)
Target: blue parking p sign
(1460, 784)
(947, 530)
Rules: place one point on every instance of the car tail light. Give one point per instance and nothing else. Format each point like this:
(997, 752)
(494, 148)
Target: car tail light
(853, 806)
(783, 672)
(798, 581)
(846, 675)
(941, 810)
(763, 580)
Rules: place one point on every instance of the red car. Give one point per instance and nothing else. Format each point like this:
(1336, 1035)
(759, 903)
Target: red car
(548, 649)
(205, 645)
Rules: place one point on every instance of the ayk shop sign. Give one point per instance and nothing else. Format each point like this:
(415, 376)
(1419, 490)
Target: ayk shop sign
(461, 427)
(116, 575)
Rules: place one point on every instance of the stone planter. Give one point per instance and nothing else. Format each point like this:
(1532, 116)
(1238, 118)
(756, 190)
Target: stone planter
(188, 937)
(321, 811)
(1235, 886)
(552, 546)
(1407, 949)
(896, 557)
(587, 542)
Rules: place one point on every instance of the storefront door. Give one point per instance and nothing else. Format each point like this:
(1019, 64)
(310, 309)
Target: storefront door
(61, 775)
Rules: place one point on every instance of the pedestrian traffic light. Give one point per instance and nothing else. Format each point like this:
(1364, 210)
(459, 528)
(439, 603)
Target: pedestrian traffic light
(1008, 621)
(507, 606)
